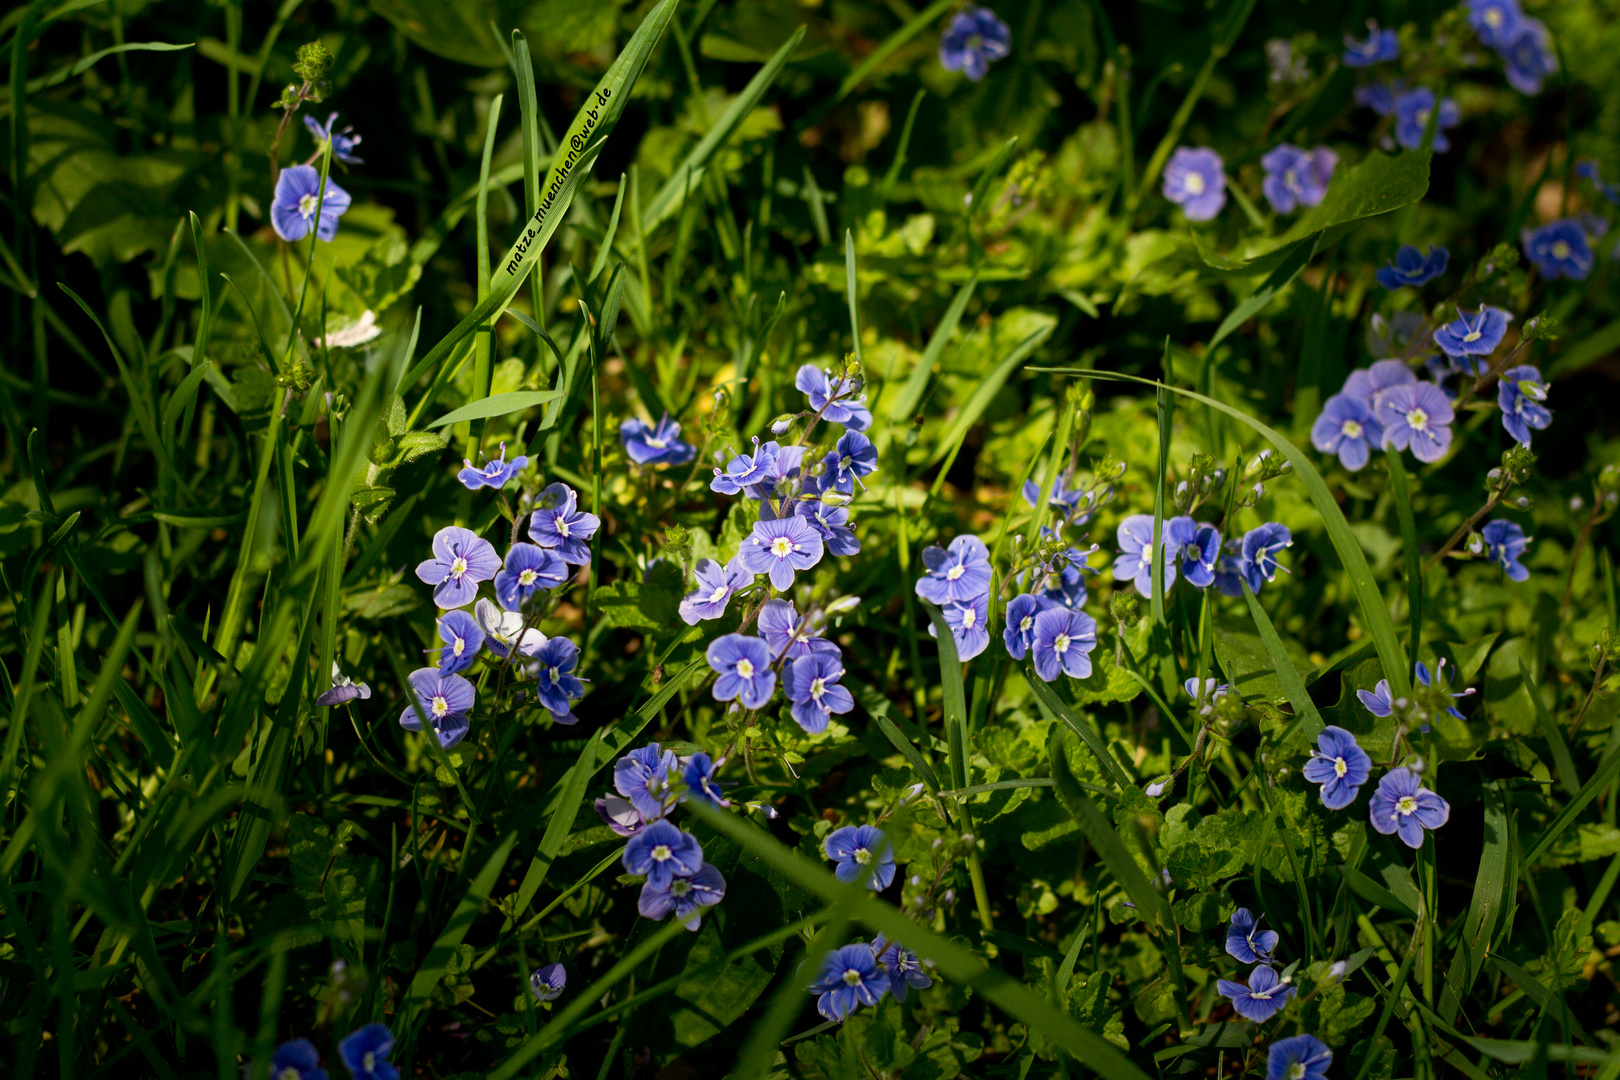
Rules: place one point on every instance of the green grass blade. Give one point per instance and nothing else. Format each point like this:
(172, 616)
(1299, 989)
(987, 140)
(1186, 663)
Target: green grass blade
(497, 405)
(911, 394)
(986, 391)
(955, 697)
(1566, 817)
(1305, 714)
(1099, 748)
(852, 295)
(1400, 487)
(689, 173)
(1484, 909)
(914, 26)
(1165, 408)
(1563, 764)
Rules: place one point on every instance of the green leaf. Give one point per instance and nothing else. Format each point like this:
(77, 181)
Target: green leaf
(498, 405)
(437, 962)
(1094, 741)
(989, 387)
(1297, 258)
(1305, 714)
(1150, 903)
(460, 31)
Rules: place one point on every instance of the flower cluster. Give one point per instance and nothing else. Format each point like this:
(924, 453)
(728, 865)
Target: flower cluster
(301, 202)
(1302, 1057)
(975, 38)
(364, 1053)
(860, 974)
(1296, 177)
(649, 784)
(1521, 41)
(462, 560)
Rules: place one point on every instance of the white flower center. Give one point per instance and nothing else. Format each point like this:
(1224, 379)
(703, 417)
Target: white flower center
(527, 577)
(1560, 250)
(852, 977)
(1026, 622)
(718, 594)
(680, 887)
(307, 205)
(662, 853)
(1296, 1071)
(1194, 184)
(289, 1073)
(1473, 335)
(555, 676)
(818, 688)
(863, 856)
(656, 443)
(460, 645)
(1407, 805)
(782, 547)
(369, 1062)
(1061, 643)
(955, 572)
(1493, 19)
(562, 525)
(1350, 429)
(458, 567)
(1339, 767)
(440, 706)
(745, 668)
(968, 618)
(1417, 420)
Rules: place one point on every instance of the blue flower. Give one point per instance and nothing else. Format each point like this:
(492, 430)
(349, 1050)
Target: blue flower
(1417, 415)
(1380, 47)
(1262, 999)
(1495, 21)
(1339, 765)
(1379, 97)
(1135, 536)
(833, 523)
(528, 569)
(1420, 672)
(1063, 497)
(1412, 267)
(1412, 117)
(744, 470)
(782, 468)
(863, 854)
(786, 635)
(1258, 560)
(297, 194)
(1019, 632)
(1478, 335)
(1363, 384)
(702, 784)
(780, 548)
(856, 456)
(1296, 177)
(547, 983)
(660, 852)
(1063, 642)
(1302, 1057)
(643, 776)
(551, 667)
(685, 894)
(834, 399)
(344, 689)
(905, 971)
(444, 699)
(1347, 427)
(1246, 942)
(969, 621)
(658, 444)
(620, 815)
(1198, 557)
(296, 1060)
(850, 977)
(744, 665)
(504, 629)
(958, 574)
(366, 1053)
(1208, 690)
(1505, 543)
(1377, 700)
(1063, 580)
(1403, 806)
(716, 584)
(343, 142)
(811, 684)
(562, 526)
(1195, 180)
(975, 39)
(495, 473)
(1520, 394)
(1529, 57)
(461, 559)
(1559, 250)
(463, 640)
